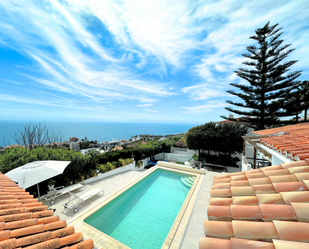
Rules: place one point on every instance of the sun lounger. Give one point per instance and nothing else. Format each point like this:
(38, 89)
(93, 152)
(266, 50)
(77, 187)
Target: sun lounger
(58, 191)
(75, 200)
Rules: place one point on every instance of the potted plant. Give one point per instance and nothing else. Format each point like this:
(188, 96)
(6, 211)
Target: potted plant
(195, 157)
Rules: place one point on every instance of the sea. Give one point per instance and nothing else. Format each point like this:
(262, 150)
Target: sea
(100, 131)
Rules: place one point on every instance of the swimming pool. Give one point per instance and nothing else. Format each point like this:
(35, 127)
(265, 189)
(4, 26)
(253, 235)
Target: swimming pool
(142, 216)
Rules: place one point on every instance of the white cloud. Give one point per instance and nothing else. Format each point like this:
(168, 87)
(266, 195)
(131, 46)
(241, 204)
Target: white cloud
(64, 103)
(144, 105)
(155, 28)
(68, 67)
(150, 110)
(204, 91)
(209, 107)
(163, 52)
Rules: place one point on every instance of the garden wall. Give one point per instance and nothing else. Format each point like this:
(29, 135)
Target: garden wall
(116, 171)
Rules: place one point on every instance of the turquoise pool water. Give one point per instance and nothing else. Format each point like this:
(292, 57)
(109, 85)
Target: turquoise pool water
(143, 215)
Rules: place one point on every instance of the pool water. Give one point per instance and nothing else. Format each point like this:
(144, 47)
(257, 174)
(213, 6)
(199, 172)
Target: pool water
(143, 215)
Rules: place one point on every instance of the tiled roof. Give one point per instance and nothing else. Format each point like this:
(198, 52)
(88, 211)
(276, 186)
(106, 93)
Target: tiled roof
(289, 129)
(27, 223)
(230, 121)
(260, 208)
(293, 142)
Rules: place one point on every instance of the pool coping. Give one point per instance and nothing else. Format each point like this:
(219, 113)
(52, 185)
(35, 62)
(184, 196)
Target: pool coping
(177, 231)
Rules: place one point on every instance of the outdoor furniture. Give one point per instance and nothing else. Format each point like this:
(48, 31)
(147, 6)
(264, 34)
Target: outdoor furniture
(58, 191)
(216, 168)
(152, 163)
(203, 160)
(197, 164)
(75, 200)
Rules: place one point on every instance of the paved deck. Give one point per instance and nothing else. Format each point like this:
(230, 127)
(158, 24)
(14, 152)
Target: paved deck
(110, 185)
(195, 228)
(115, 183)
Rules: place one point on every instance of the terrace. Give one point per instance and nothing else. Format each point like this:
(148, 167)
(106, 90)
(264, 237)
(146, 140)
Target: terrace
(259, 207)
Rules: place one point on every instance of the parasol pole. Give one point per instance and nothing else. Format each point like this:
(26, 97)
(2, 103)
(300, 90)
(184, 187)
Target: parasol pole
(38, 190)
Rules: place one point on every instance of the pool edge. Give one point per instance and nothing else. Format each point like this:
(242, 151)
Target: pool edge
(102, 240)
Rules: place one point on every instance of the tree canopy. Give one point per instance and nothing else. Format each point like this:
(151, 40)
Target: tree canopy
(223, 138)
(269, 86)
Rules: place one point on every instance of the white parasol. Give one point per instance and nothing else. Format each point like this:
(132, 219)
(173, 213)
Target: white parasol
(36, 172)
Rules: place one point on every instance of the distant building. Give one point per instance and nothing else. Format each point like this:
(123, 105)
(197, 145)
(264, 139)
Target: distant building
(74, 144)
(231, 116)
(117, 148)
(84, 151)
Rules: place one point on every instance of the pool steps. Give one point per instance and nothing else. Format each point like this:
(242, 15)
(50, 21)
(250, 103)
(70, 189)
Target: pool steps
(187, 180)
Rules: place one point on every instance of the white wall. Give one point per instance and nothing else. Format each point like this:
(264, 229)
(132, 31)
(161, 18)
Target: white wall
(192, 152)
(244, 164)
(275, 160)
(100, 176)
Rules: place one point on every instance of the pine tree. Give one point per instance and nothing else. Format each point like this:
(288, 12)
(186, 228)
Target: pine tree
(304, 97)
(269, 84)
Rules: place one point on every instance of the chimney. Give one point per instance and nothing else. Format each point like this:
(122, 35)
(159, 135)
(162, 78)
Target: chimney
(231, 116)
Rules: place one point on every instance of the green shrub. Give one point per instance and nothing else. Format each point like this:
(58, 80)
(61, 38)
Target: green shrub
(116, 164)
(110, 166)
(122, 162)
(103, 168)
(128, 161)
(93, 173)
(139, 164)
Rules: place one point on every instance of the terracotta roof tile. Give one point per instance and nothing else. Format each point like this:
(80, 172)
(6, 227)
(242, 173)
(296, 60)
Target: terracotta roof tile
(270, 198)
(290, 186)
(299, 169)
(277, 172)
(283, 178)
(27, 223)
(219, 213)
(220, 193)
(221, 185)
(289, 197)
(259, 181)
(274, 208)
(265, 231)
(302, 176)
(218, 229)
(272, 212)
(212, 243)
(245, 200)
(293, 143)
(284, 244)
(306, 183)
(240, 183)
(86, 244)
(220, 201)
(245, 212)
(301, 210)
(250, 244)
(263, 189)
(295, 231)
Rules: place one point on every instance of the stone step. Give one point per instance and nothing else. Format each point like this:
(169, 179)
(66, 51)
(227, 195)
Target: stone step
(183, 180)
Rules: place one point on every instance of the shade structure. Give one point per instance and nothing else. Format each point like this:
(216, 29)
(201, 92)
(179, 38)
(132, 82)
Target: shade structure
(36, 172)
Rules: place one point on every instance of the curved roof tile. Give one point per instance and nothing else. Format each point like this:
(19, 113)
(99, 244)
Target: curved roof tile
(27, 223)
(271, 207)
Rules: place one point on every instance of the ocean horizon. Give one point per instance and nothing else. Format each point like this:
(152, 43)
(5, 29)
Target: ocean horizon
(100, 131)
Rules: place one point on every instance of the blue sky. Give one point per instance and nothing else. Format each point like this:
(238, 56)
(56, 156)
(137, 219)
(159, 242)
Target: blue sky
(156, 61)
